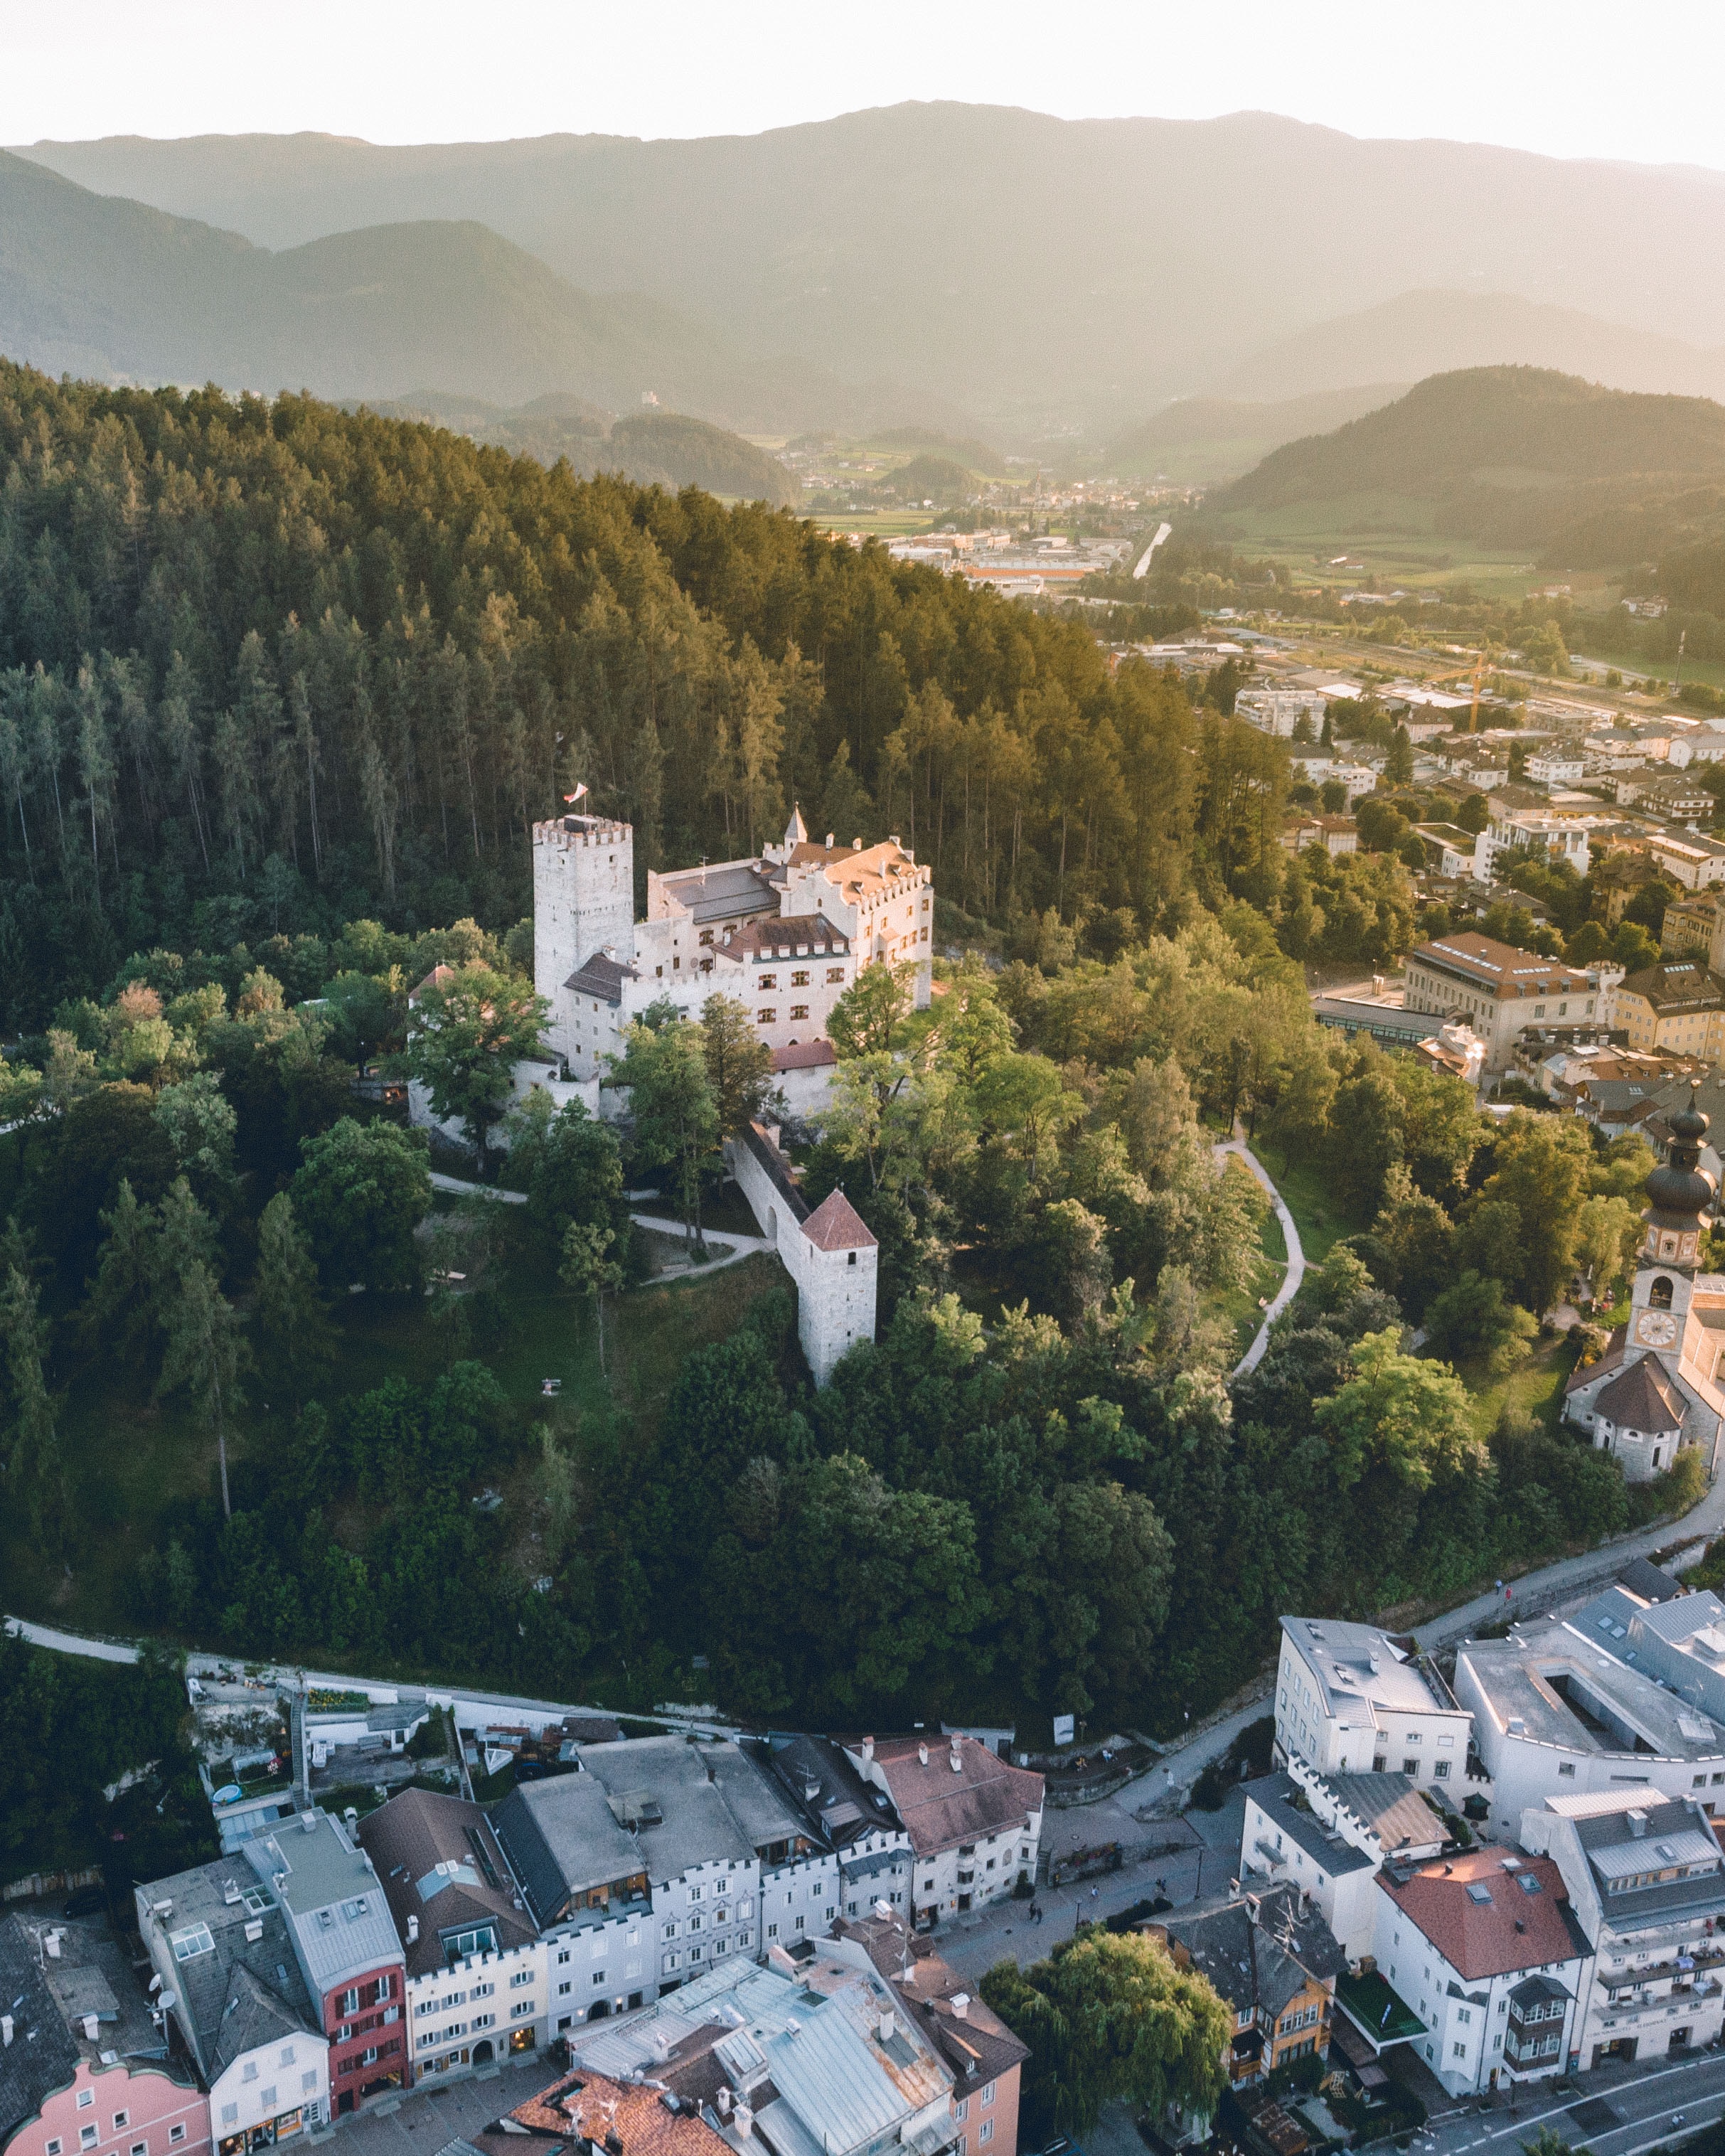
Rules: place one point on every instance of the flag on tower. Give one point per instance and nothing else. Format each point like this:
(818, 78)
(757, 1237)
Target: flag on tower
(572, 798)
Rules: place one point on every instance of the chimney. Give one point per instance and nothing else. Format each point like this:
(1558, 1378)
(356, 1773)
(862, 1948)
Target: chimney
(255, 1930)
(887, 2026)
(412, 1929)
(921, 1755)
(308, 1819)
(811, 1788)
(868, 1751)
(5, 2029)
(829, 842)
(659, 2043)
(1638, 1824)
(961, 2005)
(743, 2119)
(51, 1940)
(856, 845)
(956, 1758)
(723, 2101)
(92, 2022)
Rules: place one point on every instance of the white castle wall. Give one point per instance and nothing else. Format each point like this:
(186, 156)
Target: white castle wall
(836, 1290)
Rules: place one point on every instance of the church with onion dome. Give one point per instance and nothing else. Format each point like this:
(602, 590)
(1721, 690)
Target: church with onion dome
(1657, 1390)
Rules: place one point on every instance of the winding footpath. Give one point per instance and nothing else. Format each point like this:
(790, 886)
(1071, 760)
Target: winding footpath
(1296, 1256)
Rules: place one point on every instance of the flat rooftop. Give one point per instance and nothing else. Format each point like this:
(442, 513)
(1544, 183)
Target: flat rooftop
(1359, 1667)
(1546, 1684)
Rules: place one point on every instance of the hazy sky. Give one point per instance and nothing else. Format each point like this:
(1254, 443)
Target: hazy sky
(1579, 79)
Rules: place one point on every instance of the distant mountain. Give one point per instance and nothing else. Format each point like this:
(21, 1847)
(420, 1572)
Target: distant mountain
(97, 285)
(654, 449)
(1199, 439)
(1036, 275)
(1511, 455)
(1420, 333)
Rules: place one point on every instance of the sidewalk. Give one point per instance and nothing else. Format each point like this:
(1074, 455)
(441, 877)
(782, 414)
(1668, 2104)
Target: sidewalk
(1296, 1256)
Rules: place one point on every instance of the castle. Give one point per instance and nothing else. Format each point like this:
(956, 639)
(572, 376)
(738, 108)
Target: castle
(1656, 1390)
(786, 934)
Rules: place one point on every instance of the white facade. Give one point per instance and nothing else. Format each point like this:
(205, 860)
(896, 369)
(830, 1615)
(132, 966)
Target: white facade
(831, 1256)
(1695, 862)
(1278, 712)
(1468, 2014)
(1563, 837)
(1341, 1880)
(270, 2084)
(490, 2003)
(1349, 1701)
(1655, 1988)
(1555, 767)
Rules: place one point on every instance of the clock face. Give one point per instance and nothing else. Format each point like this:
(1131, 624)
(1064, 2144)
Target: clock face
(1656, 1328)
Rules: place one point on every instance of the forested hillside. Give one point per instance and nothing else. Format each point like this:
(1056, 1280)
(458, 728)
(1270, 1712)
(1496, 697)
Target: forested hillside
(267, 666)
(1513, 455)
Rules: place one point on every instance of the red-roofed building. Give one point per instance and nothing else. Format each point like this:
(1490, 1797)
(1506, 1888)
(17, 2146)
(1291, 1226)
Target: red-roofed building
(1477, 1940)
(974, 1821)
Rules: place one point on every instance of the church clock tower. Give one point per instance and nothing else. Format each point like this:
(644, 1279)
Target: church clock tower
(1679, 1192)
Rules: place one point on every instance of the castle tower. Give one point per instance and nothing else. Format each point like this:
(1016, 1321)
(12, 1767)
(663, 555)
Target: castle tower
(583, 902)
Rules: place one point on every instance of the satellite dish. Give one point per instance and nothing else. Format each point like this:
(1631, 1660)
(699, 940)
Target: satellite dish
(170, 1999)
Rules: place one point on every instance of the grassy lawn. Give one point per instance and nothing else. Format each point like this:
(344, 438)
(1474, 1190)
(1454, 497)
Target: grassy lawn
(130, 1460)
(1240, 1307)
(1535, 1386)
(1310, 1198)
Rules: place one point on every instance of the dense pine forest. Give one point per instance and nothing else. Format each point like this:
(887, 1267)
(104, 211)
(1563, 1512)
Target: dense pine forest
(275, 666)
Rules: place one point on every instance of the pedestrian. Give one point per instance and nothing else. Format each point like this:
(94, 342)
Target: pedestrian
(1095, 1892)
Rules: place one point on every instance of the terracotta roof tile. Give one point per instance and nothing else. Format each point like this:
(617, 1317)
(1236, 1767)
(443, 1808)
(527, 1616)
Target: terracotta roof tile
(942, 1809)
(835, 1224)
(1499, 1927)
(638, 2116)
(1643, 1398)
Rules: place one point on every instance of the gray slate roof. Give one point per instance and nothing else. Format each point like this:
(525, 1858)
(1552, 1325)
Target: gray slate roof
(1642, 1397)
(331, 1897)
(1261, 1963)
(1277, 1798)
(43, 2056)
(563, 1840)
(262, 1974)
(601, 979)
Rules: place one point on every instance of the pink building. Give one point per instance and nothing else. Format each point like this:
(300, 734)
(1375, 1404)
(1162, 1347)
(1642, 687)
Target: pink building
(65, 2088)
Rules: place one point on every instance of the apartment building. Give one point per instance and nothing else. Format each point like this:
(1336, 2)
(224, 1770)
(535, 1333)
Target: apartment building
(83, 2064)
(1350, 1700)
(1562, 838)
(974, 1822)
(1556, 1714)
(1328, 1838)
(1676, 1008)
(1648, 1885)
(1487, 1950)
(226, 1970)
(476, 1986)
(1279, 712)
(1498, 990)
(349, 1956)
(852, 1818)
(659, 1857)
(1693, 859)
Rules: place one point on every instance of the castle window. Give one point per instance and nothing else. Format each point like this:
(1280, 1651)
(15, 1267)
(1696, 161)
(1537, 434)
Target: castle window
(799, 1010)
(800, 980)
(767, 1016)
(851, 1260)
(1659, 1296)
(835, 977)
(766, 980)
(706, 935)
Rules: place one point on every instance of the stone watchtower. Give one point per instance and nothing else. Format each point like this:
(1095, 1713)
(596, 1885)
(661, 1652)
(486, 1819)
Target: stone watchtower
(1679, 1192)
(583, 902)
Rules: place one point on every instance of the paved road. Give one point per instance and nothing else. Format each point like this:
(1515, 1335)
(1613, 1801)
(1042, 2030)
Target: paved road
(737, 1247)
(1296, 1256)
(427, 2119)
(1636, 2106)
(455, 1187)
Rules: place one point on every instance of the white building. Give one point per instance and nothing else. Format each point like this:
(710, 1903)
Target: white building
(1278, 712)
(1556, 768)
(1647, 1884)
(830, 1253)
(1328, 1839)
(657, 1859)
(1556, 1714)
(1563, 837)
(785, 933)
(1486, 1950)
(1349, 1701)
(226, 1972)
(1693, 861)
(975, 1822)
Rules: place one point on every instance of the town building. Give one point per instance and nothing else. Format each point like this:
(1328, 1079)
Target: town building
(344, 1941)
(1336, 835)
(472, 1951)
(586, 2113)
(810, 2052)
(983, 2055)
(1497, 989)
(84, 2064)
(1556, 767)
(658, 1858)
(852, 1818)
(1694, 860)
(1689, 926)
(1657, 1389)
(785, 932)
(1449, 850)
(1350, 1700)
(1279, 712)
(1563, 837)
(1677, 800)
(1646, 1882)
(1486, 1949)
(226, 1970)
(974, 1822)
(1555, 1713)
(1274, 1961)
(1677, 1638)
(1676, 1008)
(1706, 744)
(1328, 1837)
